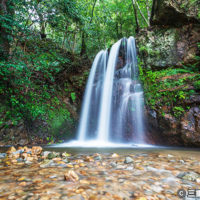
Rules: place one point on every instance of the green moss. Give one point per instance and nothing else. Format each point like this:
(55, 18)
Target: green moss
(169, 87)
(197, 85)
(61, 124)
(73, 96)
(178, 111)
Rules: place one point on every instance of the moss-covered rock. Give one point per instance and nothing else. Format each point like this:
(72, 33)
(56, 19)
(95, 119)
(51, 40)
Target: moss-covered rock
(190, 126)
(169, 59)
(164, 47)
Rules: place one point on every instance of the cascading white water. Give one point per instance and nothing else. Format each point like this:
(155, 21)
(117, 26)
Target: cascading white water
(127, 113)
(112, 110)
(96, 74)
(103, 128)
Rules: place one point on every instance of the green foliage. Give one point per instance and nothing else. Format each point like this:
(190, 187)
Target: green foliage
(197, 85)
(39, 44)
(28, 87)
(148, 51)
(66, 21)
(178, 111)
(169, 87)
(73, 96)
(60, 122)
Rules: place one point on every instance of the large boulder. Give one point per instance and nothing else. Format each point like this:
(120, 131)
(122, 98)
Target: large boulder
(171, 43)
(175, 12)
(182, 132)
(190, 126)
(162, 47)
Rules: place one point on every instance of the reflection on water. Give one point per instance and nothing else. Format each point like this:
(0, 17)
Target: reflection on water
(178, 151)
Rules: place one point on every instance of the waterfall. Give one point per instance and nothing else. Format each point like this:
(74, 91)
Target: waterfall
(112, 110)
(103, 128)
(92, 93)
(127, 112)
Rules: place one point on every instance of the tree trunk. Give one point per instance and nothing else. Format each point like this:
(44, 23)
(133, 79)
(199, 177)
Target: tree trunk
(42, 32)
(42, 26)
(117, 30)
(93, 11)
(141, 12)
(4, 33)
(121, 25)
(42, 21)
(136, 19)
(83, 47)
(85, 35)
(148, 10)
(74, 44)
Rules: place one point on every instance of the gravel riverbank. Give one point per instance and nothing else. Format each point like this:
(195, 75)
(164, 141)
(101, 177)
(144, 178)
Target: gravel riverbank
(34, 174)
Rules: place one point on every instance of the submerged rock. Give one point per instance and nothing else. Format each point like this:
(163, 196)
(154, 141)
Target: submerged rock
(113, 164)
(36, 150)
(148, 179)
(114, 155)
(52, 155)
(28, 162)
(71, 176)
(98, 157)
(20, 160)
(46, 163)
(156, 188)
(2, 155)
(190, 176)
(128, 160)
(11, 150)
(45, 153)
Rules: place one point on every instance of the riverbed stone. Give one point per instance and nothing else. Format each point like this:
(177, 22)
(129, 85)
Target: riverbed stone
(113, 164)
(191, 176)
(11, 150)
(98, 157)
(156, 188)
(52, 155)
(71, 176)
(152, 177)
(45, 153)
(2, 155)
(28, 162)
(114, 155)
(128, 160)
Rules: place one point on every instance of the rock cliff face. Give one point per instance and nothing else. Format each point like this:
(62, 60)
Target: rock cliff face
(170, 59)
(163, 47)
(175, 12)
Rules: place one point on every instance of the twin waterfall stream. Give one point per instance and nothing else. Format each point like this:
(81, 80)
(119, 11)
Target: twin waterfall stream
(112, 110)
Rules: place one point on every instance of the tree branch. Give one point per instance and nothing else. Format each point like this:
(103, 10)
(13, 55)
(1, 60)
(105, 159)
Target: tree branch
(141, 12)
(93, 11)
(148, 10)
(136, 19)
